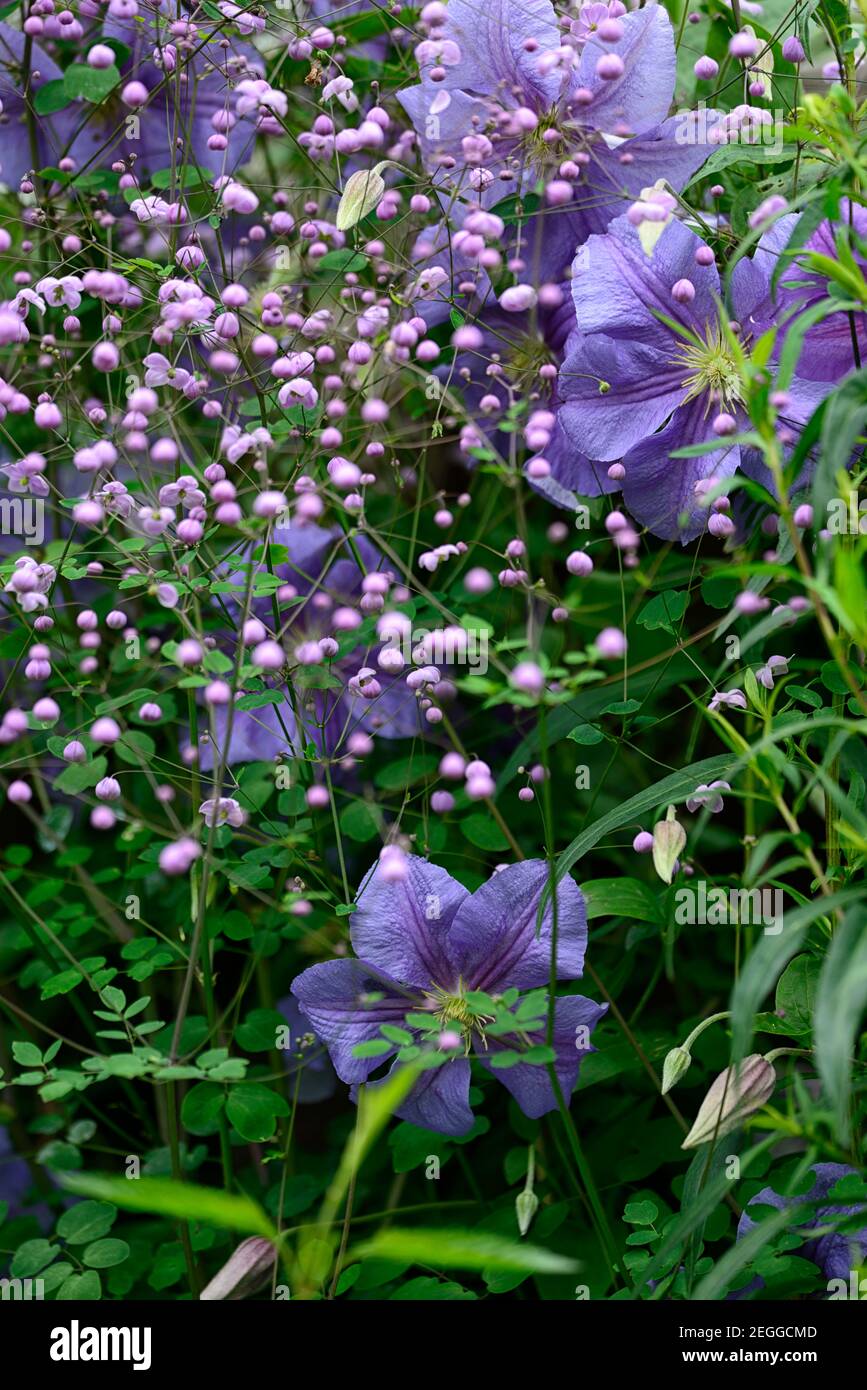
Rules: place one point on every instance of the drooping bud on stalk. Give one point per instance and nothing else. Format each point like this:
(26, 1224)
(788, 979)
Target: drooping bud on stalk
(669, 838)
(739, 1091)
(246, 1271)
(526, 1202)
(526, 1206)
(675, 1066)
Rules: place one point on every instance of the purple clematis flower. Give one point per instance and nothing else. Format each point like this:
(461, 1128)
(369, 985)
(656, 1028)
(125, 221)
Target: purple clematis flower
(650, 370)
(523, 100)
(325, 578)
(835, 1253)
(828, 353)
(421, 944)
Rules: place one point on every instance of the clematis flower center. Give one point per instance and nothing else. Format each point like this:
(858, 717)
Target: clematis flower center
(710, 370)
(453, 1011)
(526, 355)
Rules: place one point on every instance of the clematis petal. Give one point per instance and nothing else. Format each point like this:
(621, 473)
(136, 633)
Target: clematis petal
(660, 490)
(493, 938)
(492, 39)
(402, 929)
(641, 96)
(835, 1254)
(619, 291)
(439, 1100)
(574, 1019)
(346, 1002)
(616, 393)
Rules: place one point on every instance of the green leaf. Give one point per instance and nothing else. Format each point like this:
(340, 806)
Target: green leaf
(94, 84)
(201, 1108)
(258, 1032)
(104, 1254)
(586, 735)
(62, 983)
(342, 261)
(26, 1054)
(840, 1004)
(31, 1257)
(87, 1221)
(640, 1213)
(80, 1287)
(483, 832)
(258, 699)
(52, 96)
(796, 993)
(727, 155)
(179, 1201)
(79, 777)
(359, 821)
(664, 610)
(252, 1111)
(461, 1249)
(622, 897)
(377, 1047)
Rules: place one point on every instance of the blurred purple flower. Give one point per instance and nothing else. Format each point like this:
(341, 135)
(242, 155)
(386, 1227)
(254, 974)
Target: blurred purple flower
(728, 699)
(50, 133)
(326, 577)
(835, 1253)
(829, 352)
(306, 1056)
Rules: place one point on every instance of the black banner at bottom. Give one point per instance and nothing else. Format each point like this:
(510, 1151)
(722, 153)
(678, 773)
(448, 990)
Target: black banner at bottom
(60, 1341)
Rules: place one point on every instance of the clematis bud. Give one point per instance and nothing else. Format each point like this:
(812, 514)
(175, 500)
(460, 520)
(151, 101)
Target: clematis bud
(361, 193)
(676, 1065)
(246, 1271)
(737, 1092)
(669, 838)
(526, 1206)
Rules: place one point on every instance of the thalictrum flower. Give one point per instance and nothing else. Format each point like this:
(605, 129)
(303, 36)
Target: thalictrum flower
(774, 667)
